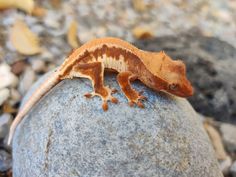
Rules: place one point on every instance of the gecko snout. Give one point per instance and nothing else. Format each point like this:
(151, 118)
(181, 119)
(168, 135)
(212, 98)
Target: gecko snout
(187, 89)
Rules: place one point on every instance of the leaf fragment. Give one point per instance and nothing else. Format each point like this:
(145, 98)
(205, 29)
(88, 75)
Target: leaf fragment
(216, 141)
(25, 5)
(7, 108)
(39, 11)
(142, 32)
(56, 3)
(139, 5)
(72, 37)
(24, 40)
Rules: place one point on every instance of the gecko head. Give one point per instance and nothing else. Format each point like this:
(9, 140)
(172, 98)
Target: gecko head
(177, 82)
(165, 74)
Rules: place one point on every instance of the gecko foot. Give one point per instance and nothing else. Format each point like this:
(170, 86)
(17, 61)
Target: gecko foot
(108, 97)
(105, 94)
(131, 94)
(138, 101)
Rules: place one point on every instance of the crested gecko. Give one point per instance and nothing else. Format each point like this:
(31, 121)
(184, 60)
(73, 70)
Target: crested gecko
(154, 69)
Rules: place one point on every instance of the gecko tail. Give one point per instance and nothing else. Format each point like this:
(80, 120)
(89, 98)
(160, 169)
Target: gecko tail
(53, 80)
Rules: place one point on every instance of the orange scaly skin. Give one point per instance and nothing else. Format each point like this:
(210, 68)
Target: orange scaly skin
(156, 70)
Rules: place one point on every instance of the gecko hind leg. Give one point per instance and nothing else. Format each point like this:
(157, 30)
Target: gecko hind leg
(132, 95)
(95, 72)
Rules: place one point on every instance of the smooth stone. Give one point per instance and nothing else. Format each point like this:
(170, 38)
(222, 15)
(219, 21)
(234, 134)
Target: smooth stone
(15, 96)
(38, 65)
(66, 134)
(5, 123)
(233, 169)
(4, 94)
(5, 161)
(228, 132)
(7, 78)
(27, 80)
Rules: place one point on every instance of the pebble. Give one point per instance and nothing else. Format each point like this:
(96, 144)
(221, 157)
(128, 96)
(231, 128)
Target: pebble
(228, 132)
(15, 96)
(84, 10)
(27, 80)
(51, 20)
(7, 78)
(85, 35)
(225, 164)
(38, 29)
(5, 123)
(18, 67)
(4, 94)
(38, 65)
(47, 55)
(5, 161)
(233, 169)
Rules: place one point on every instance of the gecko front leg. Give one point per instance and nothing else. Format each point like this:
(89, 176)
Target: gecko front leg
(132, 95)
(95, 72)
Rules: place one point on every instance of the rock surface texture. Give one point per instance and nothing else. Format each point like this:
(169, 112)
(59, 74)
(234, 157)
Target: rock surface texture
(211, 68)
(67, 135)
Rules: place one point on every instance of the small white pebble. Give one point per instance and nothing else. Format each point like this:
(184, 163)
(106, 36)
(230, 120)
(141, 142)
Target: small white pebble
(4, 94)
(27, 80)
(14, 95)
(38, 65)
(7, 78)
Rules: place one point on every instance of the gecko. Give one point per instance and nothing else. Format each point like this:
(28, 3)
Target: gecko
(154, 69)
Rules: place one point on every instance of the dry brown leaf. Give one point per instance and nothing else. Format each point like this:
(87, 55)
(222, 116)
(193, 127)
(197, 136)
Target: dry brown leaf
(39, 11)
(139, 5)
(7, 108)
(72, 35)
(216, 141)
(25, 41)
(25, 5)
(142, 32)
(56, 3)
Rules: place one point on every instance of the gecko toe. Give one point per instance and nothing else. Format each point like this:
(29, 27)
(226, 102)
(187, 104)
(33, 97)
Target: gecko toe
(140, 104)
(137, 100)
(88, 95)
(140, 93)
(114, 91)
(131, 103)
(114, 100)
(141, 97)
(105, 106)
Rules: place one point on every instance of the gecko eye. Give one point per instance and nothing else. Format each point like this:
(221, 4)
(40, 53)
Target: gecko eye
(173, 86)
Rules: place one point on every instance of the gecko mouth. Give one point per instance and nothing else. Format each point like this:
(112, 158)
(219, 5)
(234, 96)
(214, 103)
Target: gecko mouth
(187, 89)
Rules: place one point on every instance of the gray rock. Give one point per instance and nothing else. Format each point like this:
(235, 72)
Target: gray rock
(211, 67)
(67, 135)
